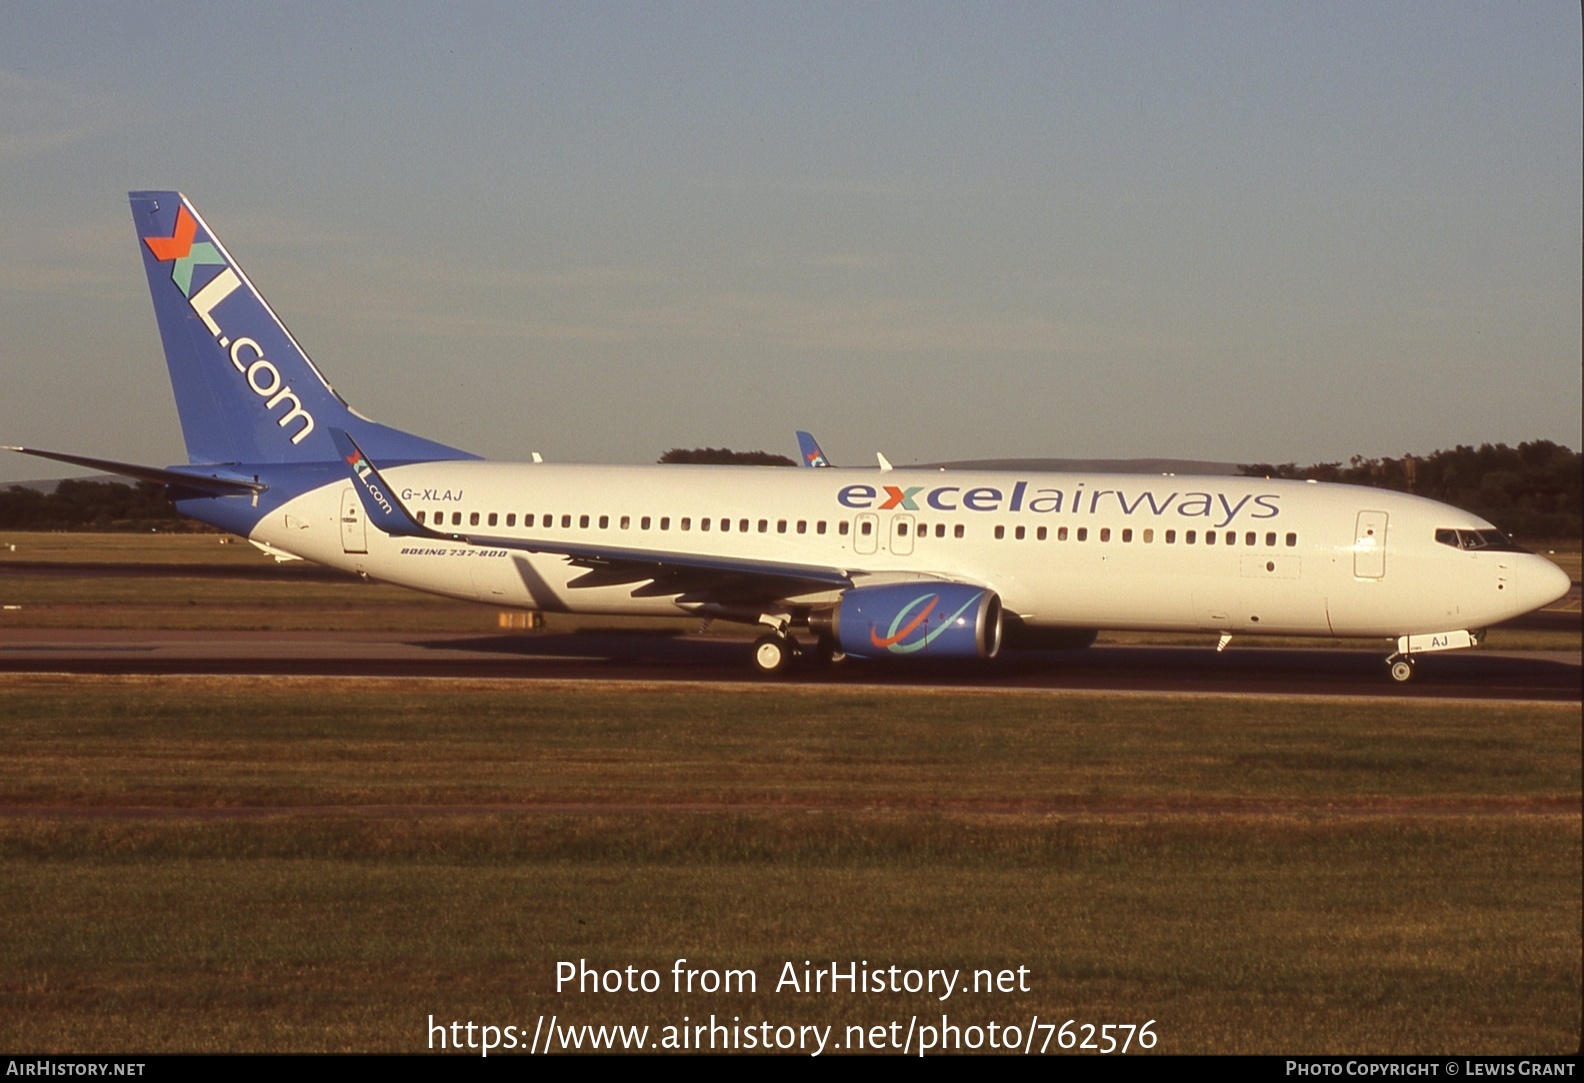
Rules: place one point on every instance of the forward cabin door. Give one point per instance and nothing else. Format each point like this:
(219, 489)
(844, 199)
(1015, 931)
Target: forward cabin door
(353, 537)
(1369, 545)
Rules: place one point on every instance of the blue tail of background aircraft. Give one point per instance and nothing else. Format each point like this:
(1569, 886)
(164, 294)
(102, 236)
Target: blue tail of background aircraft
(246, 392)
(810, 450)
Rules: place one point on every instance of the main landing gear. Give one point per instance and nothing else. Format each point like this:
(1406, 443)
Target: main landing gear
(774, 654)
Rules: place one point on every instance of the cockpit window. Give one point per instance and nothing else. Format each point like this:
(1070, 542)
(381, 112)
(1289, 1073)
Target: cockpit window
(1483, 540)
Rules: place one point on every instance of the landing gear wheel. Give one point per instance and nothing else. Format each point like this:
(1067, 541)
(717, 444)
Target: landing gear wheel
(773, 654)
(1402, 670)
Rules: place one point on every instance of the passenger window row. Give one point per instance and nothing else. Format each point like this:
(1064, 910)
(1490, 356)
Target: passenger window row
(547, 521)
(723, 525)
(1251, 538)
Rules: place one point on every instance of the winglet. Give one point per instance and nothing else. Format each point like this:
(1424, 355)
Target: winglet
(384, 510)
(885, 463)
(811, 453)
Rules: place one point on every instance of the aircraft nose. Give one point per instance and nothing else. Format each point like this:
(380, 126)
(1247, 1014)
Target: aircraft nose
(1538, 583)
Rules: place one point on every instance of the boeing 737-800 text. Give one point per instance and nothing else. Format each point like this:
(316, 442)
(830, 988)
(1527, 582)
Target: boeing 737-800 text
(890, 563)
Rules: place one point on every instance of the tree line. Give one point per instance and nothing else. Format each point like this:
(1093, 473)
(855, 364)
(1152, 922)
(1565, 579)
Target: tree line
(89, 505)
(1529, 491)
(724, 456)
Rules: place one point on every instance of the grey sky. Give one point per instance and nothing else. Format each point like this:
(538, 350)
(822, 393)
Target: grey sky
(1216, 231)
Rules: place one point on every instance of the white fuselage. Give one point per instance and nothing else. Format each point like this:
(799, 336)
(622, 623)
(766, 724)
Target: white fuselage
(1149, 552)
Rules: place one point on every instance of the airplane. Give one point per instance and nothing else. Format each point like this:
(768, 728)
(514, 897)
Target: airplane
(900, 564)
(809, 452)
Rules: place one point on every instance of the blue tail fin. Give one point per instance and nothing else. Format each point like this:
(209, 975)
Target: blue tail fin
(811, 453)
(245, 391)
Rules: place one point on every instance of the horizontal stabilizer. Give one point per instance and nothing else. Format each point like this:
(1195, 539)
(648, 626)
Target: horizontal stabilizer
(209, 483)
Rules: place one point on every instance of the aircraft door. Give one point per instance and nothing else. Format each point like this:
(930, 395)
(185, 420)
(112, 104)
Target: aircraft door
(866, 533)
(1369, 545)
(901, 535)
(353, 536)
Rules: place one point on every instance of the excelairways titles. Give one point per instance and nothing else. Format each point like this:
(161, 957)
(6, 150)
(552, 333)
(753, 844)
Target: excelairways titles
(188, 254)
(1054, 501)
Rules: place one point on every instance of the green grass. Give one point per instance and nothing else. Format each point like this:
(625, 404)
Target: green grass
(323, 864)
(305, 741)
(200, 549)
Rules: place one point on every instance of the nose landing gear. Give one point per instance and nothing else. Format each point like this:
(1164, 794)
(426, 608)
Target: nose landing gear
(1402, 669)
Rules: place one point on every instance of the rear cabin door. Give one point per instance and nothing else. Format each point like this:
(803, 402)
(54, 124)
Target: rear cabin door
(353, 537)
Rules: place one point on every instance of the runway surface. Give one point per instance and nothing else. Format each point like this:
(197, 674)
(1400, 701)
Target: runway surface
(628, 656)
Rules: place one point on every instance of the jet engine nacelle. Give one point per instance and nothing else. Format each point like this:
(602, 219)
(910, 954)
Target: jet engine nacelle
(917, 619)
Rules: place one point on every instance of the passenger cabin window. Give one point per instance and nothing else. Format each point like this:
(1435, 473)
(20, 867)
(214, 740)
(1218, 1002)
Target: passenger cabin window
(1171, 537)
(665, 522)
(456, 518)
(1292, 540)
(802, 527)
(626, 522)
(1188, 537)
(764, 525)
(841, 528)
(1251, 538)
(511, 518)
(1039, 534)
(1000, 532)
(1127, 535)
(492, 519)
(1270, 539)
(583, 522)
(1083, 533)
(868, 528)
(643, 524)
(420, 518)
(819, 527)
(957, 531)
(1149, 535)
(1061, 533)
